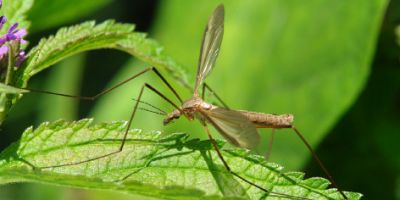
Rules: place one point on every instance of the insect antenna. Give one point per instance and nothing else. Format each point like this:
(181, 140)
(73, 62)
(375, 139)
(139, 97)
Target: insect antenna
(159, 110)
(152, 111)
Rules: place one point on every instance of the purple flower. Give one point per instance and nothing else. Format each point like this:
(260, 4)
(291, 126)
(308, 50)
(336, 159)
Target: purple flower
(11, 41)
(20, 58)
(2, 21)
(13, 35)
(3, 51)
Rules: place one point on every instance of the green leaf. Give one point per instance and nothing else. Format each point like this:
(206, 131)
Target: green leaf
(72, 40)
(15, 12)
(11, 90)
(308, 58)
(89, 36)
(46, 14)
(6, 93)
(151, 164)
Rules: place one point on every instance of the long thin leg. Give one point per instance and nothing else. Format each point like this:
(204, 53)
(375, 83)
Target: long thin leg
(275, 194)
(314, 155)
(145, 85)
(205, 86)
(94, 97)
(316, 158)
(269, 149)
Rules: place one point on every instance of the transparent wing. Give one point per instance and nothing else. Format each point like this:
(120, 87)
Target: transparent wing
(234, 127)
(210, 46)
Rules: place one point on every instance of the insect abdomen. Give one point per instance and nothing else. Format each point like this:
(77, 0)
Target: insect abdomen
(269, 120)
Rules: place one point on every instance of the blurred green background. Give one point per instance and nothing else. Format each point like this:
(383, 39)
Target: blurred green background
(334, 65)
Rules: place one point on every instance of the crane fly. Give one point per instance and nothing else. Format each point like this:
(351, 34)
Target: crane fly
(238, 127)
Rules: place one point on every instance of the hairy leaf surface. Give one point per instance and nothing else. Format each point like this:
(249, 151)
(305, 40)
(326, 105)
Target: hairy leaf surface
(152, 164)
